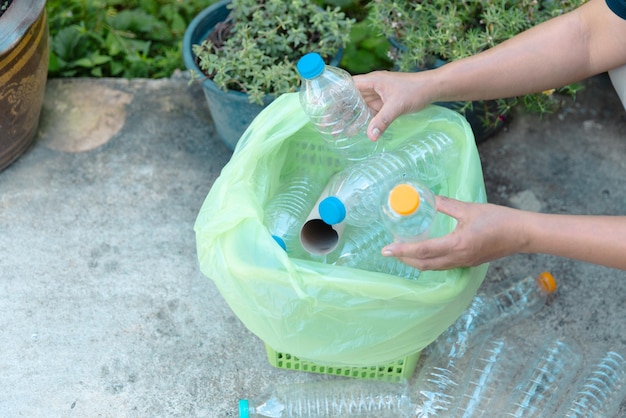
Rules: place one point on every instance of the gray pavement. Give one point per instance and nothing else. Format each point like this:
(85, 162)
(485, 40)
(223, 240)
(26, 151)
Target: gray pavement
(103, 310)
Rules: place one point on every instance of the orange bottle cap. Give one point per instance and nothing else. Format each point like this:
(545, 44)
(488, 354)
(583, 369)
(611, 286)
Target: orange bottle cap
(404, 199)
(546, 282)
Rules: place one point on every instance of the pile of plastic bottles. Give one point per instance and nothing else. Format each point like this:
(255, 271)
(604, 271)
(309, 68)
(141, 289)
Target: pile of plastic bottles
(374, 196)
(472, 370)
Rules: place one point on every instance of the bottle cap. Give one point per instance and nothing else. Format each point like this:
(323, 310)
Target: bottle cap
(244, 408)
(546, 282)
(332, 210)
(404, 199)
(310, 65)
(280, 242)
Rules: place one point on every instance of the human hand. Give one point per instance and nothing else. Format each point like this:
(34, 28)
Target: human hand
(484, 232)
(391, 94)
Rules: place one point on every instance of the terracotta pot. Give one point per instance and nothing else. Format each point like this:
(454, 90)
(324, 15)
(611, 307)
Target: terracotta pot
(23, 75)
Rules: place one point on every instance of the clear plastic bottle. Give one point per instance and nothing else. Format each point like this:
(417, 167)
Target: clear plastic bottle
(354, 193)
(335, 106)
(285, 213)
(600, 391)
(539, 390)
(492, 368)
(331, 399)
(360, 248)
(408, 211)
(519, 300)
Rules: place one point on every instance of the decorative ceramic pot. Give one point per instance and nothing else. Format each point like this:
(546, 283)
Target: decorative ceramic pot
(23, 75)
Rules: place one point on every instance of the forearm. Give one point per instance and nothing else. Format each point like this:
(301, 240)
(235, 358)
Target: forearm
(563, 50)
(595, 239)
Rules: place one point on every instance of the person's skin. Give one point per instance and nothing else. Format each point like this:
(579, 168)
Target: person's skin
(569, 48)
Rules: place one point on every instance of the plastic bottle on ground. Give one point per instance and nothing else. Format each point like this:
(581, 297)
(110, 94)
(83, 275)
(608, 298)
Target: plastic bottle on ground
(600, 390)
(360, 248)
(521, 299)
(331, 398)
(492, 368)
(335, 107)
(354, 193)
(549, 375)
(408, 211)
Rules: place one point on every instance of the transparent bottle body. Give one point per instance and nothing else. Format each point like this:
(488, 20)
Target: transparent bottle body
(414, 226)
(521, 299)
(361, 248)
(286, 211)
(337, 398)
(492, 368)
(430, 154)
(360, 186)
(301, 181)
(335, 107)
(601, 389)
(540, 388)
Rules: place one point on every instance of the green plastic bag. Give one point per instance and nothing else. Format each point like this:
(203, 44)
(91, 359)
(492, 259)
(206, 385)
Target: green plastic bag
(319, 312)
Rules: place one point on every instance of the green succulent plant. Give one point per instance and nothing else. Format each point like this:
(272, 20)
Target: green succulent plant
(256, 48)
(426, 34)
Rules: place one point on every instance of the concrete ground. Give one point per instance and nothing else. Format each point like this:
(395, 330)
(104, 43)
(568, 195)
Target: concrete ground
(103, 310)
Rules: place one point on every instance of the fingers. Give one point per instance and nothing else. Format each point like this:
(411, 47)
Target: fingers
(378, 125)
(449, 206)
(431, 254)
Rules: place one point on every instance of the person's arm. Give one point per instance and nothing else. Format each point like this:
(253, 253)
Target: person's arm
(486, 232)
(568, 48)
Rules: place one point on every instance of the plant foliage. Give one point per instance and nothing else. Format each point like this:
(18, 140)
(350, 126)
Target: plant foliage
(255, 50)
(118, 38)
(429, 33)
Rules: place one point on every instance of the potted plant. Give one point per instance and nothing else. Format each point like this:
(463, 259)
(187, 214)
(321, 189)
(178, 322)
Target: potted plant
(244, 52)
(23, 74)
(427, 34)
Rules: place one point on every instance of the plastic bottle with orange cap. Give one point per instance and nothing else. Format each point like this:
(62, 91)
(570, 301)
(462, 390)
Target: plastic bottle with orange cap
(353, 194)
(408, 211)
(442, 380)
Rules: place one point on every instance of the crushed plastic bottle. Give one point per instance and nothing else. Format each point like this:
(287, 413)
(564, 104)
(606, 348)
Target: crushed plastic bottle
(335, 107)
(331, 398)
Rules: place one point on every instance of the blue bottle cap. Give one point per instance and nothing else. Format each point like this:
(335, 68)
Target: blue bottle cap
(332, 210)
(310, 65)
(280, 242)
(244, 408)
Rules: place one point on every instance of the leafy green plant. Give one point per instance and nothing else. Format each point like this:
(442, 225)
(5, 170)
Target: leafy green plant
(118, 38)
(426, 34)
(256, 48)
(366, 50)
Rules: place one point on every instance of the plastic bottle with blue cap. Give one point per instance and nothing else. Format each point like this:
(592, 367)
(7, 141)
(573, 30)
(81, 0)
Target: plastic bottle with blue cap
(331, 398)
(354, 193)
(335, 107)
(301, 182)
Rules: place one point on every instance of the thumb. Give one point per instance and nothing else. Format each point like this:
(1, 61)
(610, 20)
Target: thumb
(381, 121)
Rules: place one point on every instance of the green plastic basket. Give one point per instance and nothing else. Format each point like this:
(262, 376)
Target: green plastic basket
(392, 372)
